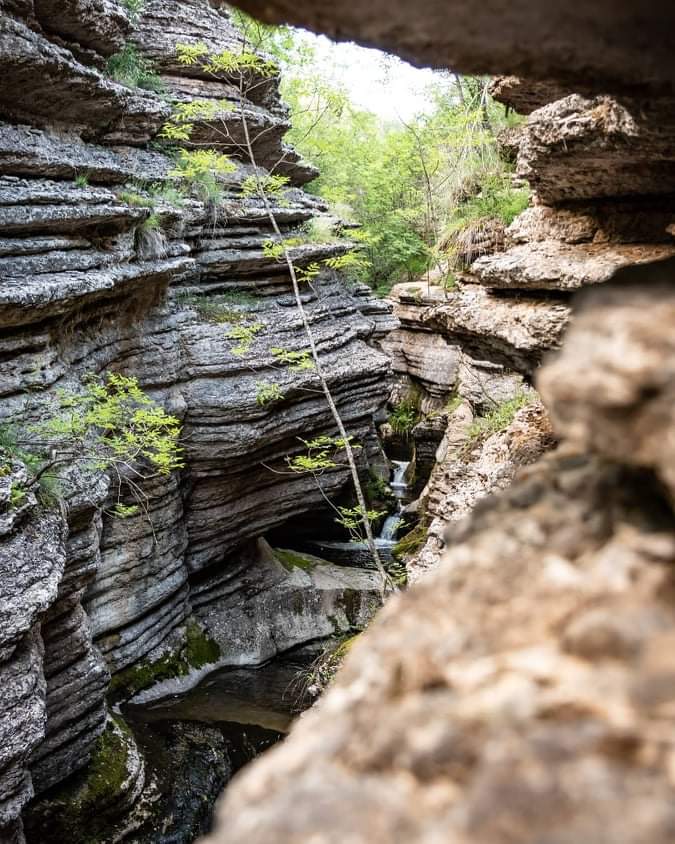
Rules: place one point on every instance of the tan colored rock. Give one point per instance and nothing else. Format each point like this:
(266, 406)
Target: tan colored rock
(624, 405)
(521, 693)
(581, 148)
(526, 95)
(469, 468)
(637, 221)
(514, 332)
(607, 45)
(551, 265)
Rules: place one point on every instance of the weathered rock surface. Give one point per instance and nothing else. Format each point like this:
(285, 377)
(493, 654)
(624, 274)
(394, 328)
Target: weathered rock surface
(550, 265)
(513, 331)
(522, 690)
(578, 148)
(88, 287)
(606, 47)
(525, 684)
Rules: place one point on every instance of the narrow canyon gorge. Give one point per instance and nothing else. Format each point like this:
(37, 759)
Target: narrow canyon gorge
(158, 632)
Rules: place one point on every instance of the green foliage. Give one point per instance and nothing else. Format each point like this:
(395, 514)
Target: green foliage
(452, 404)
(198, 650)
(129, 68)
(134, 7)
(269, 185)
(125, 511)
(181, 124)
(324, 668)
(292, 560)
(297, 361)
(267, 393)
(81, 180)
(411, 542)
(316, 462)
(113, 423)
(226, 62)
(214, 309)
(306, 275)
(500, 418)
(136, 200)
(405, 415)
(193, 164)
(353, 520)
(352, 263)
(152, 223)
(202, 171)
(17, 496)
(376, 488)
(244, 335)
(321, 454)
(164, 192)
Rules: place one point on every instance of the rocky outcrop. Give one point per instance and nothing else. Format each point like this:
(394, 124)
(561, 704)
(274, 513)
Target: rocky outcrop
(90, 286)
(523, 688)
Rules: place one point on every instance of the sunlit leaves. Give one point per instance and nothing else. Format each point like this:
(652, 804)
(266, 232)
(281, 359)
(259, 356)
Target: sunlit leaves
(244, 335)
(297, 361)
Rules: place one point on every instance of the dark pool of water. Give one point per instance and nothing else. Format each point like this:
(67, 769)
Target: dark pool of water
(194, 742)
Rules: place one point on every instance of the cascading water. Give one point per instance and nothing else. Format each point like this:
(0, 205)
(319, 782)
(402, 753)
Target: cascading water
(400, 488)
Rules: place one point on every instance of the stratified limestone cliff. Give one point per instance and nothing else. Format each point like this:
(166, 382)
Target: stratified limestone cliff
(87, 288)
(601, 172)
(523, 690)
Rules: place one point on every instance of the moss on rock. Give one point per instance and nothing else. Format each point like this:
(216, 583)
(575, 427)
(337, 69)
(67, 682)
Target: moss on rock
(197, 650)
(293, 560)
(79, 810)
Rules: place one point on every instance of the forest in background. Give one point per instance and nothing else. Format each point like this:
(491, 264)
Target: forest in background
(423, 192)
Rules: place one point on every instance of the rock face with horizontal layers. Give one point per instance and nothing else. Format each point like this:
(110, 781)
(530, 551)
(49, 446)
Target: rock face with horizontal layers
(522, 690)
(98, 276)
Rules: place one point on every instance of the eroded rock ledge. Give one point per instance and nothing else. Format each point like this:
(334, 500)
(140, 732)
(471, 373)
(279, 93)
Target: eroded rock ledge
(85, 290)
(522, 690)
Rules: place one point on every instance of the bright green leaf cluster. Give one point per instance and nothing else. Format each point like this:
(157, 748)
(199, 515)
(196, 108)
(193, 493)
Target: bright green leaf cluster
(244, 335)
(226, 61)
(267, 393)
(306, 275)
(311, 462)
(114, 423)
(270, 185)
(296, 361)
(353, 519)
(192, 164)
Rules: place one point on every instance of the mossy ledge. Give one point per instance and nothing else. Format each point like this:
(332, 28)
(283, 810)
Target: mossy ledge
(196, 651)
(80, 809)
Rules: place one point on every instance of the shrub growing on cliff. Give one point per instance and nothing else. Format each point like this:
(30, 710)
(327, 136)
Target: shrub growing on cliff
(111, 426)
(129, 68)
(500, 418)
(405, 416)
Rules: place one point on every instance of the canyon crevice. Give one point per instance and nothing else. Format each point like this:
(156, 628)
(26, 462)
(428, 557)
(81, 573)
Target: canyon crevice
(522, 689)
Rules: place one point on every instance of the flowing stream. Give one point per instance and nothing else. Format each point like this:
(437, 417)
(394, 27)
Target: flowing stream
(401, 490)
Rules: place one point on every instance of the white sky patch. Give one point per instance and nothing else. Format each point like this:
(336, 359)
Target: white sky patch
(377, 81)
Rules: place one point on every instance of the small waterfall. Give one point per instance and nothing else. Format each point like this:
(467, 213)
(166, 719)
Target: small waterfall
(400, 489)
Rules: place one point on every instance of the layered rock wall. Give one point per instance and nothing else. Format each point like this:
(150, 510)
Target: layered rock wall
(89, 287)
(522, 692)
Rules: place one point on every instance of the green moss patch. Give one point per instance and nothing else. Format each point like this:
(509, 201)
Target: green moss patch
(293, 560)
(197, 651)
(79, 810)
(411, 542)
